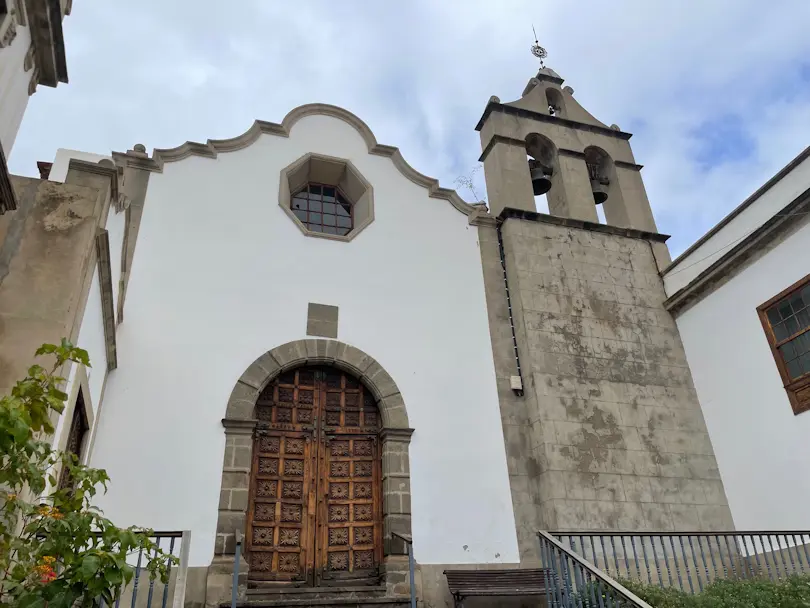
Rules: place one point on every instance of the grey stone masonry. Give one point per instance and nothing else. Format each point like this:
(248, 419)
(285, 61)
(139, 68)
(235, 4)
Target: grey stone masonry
(322, 320)
(609, 433)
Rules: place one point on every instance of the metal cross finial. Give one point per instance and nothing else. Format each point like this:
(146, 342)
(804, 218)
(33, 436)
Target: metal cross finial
(538, 51)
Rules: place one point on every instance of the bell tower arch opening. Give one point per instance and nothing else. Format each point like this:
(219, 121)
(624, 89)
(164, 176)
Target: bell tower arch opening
(542, 158)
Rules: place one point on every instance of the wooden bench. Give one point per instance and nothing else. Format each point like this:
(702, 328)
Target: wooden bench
(469, 583)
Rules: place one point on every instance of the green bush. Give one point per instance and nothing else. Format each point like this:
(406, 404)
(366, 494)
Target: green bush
(56, 549)
(793, 592)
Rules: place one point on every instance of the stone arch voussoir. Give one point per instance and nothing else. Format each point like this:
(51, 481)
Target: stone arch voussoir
(328, 352)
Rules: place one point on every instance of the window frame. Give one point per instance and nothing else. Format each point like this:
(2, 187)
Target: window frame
(798, 389)
(305, 188)
(80, 427)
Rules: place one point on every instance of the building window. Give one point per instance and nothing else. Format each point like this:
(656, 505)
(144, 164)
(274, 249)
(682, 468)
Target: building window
(326, 197)
(786, 319)
(75, 441)
(323, 208)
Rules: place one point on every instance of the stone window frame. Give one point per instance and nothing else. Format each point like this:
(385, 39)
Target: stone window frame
(332, 171)
(239, 423)
(798, 389)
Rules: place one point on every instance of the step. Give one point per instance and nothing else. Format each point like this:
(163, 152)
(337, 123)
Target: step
(269, 591)
(344, 602)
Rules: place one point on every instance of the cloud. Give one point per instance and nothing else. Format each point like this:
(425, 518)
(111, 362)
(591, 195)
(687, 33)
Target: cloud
(717, 93)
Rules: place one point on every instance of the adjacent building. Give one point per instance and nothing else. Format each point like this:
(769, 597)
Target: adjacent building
(741, 299)
(32, 52)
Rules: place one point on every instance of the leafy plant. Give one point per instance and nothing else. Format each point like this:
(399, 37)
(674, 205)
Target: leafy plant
(791, 592)
(56, 548)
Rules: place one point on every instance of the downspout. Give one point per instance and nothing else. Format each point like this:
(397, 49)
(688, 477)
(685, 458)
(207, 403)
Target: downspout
(517, 389)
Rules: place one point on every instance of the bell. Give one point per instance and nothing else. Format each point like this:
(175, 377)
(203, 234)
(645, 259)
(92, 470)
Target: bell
(541, 180)
(600, 190)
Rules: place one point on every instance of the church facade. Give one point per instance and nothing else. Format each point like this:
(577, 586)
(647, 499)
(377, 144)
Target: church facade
(327, 353)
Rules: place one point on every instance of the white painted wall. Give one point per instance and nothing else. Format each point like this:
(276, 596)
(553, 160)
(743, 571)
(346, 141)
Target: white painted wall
(14, 82)
(91, 339)
(116, 226)
(221, 275)
(761, 447)
(764, 208)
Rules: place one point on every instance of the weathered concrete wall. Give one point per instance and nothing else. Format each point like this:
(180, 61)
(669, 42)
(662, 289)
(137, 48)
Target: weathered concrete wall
(47, 252)
(609, 434)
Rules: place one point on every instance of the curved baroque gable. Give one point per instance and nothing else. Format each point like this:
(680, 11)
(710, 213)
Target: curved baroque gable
(212, 147)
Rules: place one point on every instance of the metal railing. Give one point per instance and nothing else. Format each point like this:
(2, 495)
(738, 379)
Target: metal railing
(237, 557)
(571, 581)
(689, 560)
(157, 594)
(411, 567)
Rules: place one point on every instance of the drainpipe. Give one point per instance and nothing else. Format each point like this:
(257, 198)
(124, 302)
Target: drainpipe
(515, 381)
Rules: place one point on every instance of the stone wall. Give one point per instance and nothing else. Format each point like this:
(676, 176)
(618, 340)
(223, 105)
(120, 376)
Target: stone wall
(47, 258)
(609, 433)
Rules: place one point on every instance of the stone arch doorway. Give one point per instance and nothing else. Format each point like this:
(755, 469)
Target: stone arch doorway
(315, 512)
(240, 424)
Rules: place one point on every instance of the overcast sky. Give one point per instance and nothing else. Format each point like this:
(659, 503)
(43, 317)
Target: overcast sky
(716, 92)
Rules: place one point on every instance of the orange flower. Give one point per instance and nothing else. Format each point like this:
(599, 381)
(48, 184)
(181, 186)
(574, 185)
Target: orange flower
(48, 575)
(45, 570)
(46, 511)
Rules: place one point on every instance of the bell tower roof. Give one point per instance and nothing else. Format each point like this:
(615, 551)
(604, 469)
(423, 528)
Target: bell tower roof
(543, 75)
(547, 143)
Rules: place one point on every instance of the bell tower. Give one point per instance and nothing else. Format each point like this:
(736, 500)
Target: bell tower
(547, 143)
(601, 422)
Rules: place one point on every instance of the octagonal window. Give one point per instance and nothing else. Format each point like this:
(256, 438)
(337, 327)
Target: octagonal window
(323, 208)
(326, 197)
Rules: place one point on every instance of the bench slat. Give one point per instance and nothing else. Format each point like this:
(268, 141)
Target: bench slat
(530, 581)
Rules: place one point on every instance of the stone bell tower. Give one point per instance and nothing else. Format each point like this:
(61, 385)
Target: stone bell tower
(601, 422)
(579, 161)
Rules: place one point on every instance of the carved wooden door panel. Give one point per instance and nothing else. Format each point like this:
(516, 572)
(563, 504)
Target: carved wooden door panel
(279, 528)
(315, 512)
(350, 514)
(281, 516)
(350, 530)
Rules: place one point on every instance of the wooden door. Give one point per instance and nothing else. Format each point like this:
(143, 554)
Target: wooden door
(350, 533)
(315, 511)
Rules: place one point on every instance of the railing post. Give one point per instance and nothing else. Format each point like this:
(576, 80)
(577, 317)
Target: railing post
(179, 599)
(237, 556)
(411, 565)
(412, 575)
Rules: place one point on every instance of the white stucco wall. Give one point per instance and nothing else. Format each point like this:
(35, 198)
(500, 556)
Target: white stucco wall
(772, 201)
(116, 225)
(221, 275)
(91, 339)
(761, 447)
(14, 82)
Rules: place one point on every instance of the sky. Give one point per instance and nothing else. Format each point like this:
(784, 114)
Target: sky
(716, 92)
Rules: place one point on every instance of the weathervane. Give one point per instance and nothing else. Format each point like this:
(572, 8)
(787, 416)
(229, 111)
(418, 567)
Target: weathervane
(538, 51)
